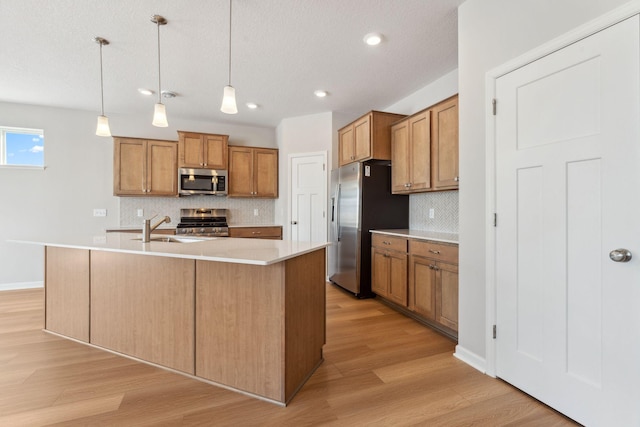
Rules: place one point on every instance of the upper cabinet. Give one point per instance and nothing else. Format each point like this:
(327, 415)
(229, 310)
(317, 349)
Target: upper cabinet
(253, 172)
(144, 167)
(202, 150)
(444, 144)
(424, 150)
(411, 154)
(367, 138)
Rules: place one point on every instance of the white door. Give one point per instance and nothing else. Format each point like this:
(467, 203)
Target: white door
(568, 193)
(308, 190)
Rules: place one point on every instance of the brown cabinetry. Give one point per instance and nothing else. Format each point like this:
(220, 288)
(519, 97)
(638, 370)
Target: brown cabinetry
(433, 282)
(389, 268)
(444, 144)
(257, 232)
(424, 150)
(144, 167)
(202, 150)
(411, 154)
(366, 138)
(253, 172)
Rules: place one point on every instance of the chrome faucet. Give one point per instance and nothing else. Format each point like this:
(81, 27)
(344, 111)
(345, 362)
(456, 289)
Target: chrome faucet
(148, 228)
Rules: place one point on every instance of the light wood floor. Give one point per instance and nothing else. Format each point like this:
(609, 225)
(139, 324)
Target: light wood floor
(380, 368)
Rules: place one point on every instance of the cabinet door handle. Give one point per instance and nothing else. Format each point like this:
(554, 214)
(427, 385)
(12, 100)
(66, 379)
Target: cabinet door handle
(456, 179)
(434, 252)
(256, 232)
(386, 243)
(385, 255)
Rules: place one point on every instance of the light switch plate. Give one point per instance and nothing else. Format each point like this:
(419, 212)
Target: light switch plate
(432, 213)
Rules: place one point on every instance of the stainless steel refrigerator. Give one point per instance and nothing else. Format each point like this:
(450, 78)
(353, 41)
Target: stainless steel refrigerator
(361, 201)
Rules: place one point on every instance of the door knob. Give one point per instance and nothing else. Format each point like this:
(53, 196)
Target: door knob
(294, 222)
(620, 255)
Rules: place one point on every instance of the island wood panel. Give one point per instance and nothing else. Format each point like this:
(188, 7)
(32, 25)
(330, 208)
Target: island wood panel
(143, 306)
(242, 313)
(240, 326)
(67, 292)
(305, 309)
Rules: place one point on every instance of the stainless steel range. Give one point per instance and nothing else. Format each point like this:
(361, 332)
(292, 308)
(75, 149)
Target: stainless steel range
(203, 222)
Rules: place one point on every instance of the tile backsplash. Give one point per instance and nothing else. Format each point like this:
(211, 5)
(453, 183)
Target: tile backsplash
(241, 211)
(445, 206)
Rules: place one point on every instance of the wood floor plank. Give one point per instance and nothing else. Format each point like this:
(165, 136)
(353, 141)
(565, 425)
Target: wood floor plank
(380, 368)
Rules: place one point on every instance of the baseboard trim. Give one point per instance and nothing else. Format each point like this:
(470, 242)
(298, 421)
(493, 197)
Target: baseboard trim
(471, 359)
(20, 285)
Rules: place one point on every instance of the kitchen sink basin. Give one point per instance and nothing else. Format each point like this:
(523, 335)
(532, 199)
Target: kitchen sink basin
(174, 239)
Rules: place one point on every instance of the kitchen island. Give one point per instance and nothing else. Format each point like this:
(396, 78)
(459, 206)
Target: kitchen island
(244, 314)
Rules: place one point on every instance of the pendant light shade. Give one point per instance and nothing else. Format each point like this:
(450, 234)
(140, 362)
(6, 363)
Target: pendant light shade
(103, 126)
(102, 129)
(229, 101)
(160, 116)
(159, 112)
(229, 97)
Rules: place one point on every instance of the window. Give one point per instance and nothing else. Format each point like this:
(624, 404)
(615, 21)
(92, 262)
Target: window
(21, 147)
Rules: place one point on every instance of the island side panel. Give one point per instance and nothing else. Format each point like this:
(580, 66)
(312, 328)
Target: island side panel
(305, 311)
(143, 306)
(67, 292)
(240, 326)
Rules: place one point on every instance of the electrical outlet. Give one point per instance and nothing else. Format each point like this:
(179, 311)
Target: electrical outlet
(255, 212)
(140, 212)
(99, 212)
(432, 213)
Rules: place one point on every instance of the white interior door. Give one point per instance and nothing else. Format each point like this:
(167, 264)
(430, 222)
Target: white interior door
(308, 190)
(567, 185)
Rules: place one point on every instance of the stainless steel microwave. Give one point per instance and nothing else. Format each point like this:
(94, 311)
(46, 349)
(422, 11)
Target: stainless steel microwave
(202, 181)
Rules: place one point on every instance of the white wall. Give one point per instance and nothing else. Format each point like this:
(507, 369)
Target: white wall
(490, 33)
(78, 178)
(429, 95)
(304, 134)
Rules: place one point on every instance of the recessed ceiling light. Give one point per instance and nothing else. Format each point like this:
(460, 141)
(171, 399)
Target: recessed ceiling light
(252, 105)
(320, 93)
(146, 92)
(373, 39)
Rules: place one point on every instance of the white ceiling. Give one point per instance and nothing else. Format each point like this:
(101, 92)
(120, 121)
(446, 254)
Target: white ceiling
(282, 50)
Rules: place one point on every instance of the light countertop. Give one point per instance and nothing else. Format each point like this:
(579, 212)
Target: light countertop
(435, 236)
(221, 249)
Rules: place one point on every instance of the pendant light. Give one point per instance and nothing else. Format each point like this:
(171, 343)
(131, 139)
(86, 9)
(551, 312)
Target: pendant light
(159, 112)
(102, 129)
(229, 97)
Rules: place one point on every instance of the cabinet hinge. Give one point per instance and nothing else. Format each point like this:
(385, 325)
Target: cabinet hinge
(495, 219)
(494, 102)
(494, 332)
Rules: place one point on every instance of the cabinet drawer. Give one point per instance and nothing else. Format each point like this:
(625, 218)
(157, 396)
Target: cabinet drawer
(439, 251)
(392, 243)
(256, 232)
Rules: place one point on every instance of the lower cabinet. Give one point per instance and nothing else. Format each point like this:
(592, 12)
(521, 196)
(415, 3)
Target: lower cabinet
(257, 232)
(389, 268)
(421, 281)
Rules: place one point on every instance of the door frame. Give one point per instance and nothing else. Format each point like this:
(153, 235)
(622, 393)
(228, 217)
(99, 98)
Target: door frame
(611, 18)
(290, 158)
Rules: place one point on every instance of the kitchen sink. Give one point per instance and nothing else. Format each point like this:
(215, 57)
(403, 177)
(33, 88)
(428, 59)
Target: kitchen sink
(174, 239)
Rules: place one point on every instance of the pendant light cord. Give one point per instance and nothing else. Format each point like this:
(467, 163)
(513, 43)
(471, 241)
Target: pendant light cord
(159, 85)
(230, 1)
(101, 85)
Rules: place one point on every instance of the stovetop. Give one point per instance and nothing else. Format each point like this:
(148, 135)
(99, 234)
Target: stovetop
(207, 222)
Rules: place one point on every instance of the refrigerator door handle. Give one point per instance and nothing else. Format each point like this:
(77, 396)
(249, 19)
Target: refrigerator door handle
(337, 208)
